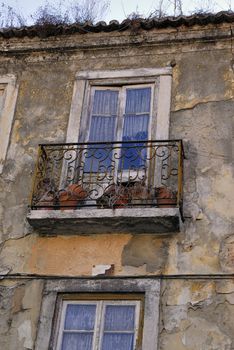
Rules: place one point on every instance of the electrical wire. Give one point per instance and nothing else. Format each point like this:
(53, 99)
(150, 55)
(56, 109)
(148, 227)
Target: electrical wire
(161, 277)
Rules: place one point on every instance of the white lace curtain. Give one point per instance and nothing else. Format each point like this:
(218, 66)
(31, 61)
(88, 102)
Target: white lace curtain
(104, 115)
(80, 324)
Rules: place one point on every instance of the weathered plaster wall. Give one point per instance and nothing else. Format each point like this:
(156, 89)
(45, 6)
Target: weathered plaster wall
(197, 315)
(19, 313)
(202, 115)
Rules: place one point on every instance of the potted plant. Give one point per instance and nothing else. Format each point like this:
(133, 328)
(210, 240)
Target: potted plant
(166, 198)
(122, 198)
(47, 194)
(47, 201)
(72, 196)
(116, 196)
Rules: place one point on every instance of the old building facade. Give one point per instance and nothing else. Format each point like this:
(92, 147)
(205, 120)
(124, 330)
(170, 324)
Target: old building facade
(117, 231)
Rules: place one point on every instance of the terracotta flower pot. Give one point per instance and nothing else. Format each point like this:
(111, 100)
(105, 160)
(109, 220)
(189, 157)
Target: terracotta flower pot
(115, 196)
(72, 196)
(121, 197)
(77, 191)
(165, 197)
(138, 193)
(46, 202)
(121, 202)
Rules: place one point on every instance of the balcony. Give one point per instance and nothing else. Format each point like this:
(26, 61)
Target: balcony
(133, 186)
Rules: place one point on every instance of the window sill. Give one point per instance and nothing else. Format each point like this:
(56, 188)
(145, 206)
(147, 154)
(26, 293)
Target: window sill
(96, 221)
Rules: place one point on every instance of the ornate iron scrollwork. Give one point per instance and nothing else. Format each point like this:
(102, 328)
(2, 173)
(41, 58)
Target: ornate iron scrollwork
(108, 175)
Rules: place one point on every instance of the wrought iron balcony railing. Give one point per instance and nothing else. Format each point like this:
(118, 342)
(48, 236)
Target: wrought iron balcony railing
(108, 175)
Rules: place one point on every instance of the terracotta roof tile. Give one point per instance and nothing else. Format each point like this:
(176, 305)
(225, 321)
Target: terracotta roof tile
(139, 23)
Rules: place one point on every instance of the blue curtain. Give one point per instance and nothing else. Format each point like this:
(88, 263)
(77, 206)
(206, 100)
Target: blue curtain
(138, 100)
(80, 317)
(105, 102)
(118, 341)
(136, 124)
(102, 129)
(79, 327)
(98, 158)
(77, 341)
(118, 318)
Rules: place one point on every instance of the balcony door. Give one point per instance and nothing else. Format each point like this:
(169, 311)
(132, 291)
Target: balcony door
(113, 114)
(119, 120)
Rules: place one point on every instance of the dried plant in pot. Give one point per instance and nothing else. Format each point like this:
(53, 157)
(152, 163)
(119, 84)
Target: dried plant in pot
(47, 194)
(72, 197)
(166, 198)
(139, 193)
(47, 201)
(122, 199)
(114, 196)
(124, 194)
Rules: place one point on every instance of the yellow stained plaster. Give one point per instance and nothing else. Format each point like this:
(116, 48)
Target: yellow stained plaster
(193, 292)
(203, 261)
(171, 266)
(15, 253)
(174, 341)
(76, 255)
(185, 102)
(229, 82)
(222, 194)
(16, 134)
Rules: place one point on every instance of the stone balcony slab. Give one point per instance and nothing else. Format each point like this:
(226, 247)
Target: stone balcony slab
(96, 221)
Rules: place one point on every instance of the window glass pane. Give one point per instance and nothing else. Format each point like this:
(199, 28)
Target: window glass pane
(135, 128)
(119, 318)
(102, 129)
(80, 317)
(138, 100)
(98, 157)
(133, 155)
(118, 341)
(77, 341)
(105, 102)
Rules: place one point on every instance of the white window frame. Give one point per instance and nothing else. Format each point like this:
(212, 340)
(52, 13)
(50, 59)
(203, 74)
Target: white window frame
(160, 77)
(122, 90)
(150, 287)
(120, 108)
(7, 114)
(98, 331)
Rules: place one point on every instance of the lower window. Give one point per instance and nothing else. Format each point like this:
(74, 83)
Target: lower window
(111, 322)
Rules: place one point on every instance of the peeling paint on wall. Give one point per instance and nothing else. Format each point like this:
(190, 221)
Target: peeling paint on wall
(24, 332)
(195, 314)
